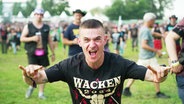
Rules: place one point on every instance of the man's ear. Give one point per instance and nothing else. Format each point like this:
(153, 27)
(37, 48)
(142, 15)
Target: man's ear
(79, 42)
(105, 39)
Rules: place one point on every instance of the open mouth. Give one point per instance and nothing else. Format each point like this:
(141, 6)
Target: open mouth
(92, 53)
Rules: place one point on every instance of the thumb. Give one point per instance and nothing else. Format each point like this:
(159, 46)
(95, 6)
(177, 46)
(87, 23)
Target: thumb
(153, 70)
(23, 70)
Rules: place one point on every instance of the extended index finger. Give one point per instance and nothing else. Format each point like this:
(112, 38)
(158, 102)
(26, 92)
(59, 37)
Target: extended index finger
(22, 68)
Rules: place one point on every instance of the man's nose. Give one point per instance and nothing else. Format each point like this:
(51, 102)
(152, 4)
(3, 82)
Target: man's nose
(92, 44)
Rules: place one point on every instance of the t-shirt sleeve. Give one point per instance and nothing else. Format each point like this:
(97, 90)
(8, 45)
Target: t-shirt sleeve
(135, 71)
(67, 33)
(144, 35)
(179, 28)
(57, 72)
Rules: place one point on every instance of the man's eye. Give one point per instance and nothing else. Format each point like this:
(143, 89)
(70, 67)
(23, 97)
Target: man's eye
(86, 40)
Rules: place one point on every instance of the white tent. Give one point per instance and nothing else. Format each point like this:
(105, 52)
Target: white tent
(63, 15)
(20, 15)
(47, 14)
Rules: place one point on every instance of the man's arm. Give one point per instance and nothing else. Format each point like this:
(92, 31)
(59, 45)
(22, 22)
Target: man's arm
(171, 45)
(24, 37)
(145, 46)
(171, 49)
(34, 74)
(51, 46)
(69, 42)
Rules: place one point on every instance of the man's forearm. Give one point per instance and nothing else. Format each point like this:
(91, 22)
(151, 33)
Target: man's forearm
(171, 47)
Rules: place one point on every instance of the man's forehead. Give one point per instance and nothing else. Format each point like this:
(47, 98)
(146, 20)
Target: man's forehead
(91, 30)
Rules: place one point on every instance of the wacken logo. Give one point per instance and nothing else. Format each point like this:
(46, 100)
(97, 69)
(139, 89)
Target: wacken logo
(97, 91)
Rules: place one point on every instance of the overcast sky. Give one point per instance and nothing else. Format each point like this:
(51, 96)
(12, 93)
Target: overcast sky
(89, 4)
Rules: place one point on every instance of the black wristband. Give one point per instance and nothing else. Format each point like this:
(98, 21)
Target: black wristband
(34, 83)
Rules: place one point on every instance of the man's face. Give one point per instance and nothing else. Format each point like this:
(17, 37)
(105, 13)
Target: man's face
(92, 42)
(151, 23)
(77, 17)
(38, 16)
(173, 20)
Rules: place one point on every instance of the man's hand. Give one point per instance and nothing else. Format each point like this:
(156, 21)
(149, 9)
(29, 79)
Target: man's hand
(176, 69)
(159, 53)
(30, 73)
(159, 73)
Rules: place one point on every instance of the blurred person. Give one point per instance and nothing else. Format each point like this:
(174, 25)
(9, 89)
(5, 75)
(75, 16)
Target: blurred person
(107, 33)
(36, 37)
(133, 33)
(54, 35)
(72, 32)
(18, 43)
(157, 35)
(4, 39)
(147, 52)
(62, 36)
(116, 40)
(94, 76)
(177, 59)
(173, 21)
(12, 38)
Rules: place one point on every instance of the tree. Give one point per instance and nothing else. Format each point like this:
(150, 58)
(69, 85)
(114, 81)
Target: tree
(135, 9)
(55, 7)
(30, 6)
(26, 11)
(1, 7)
(16, 8)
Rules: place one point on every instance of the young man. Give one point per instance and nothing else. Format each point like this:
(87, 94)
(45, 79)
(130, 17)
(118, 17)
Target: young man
(72, 32)
(94, 76)
(36, 37)
(147, 52)
(177, 60)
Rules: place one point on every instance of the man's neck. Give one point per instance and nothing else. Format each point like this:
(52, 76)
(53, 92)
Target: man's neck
(76, 22)
(38, 24)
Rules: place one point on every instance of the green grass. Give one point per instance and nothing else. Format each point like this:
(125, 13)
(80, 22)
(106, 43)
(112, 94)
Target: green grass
(13, 88)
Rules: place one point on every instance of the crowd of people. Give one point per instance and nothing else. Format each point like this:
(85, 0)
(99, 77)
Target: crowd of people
(93, 39)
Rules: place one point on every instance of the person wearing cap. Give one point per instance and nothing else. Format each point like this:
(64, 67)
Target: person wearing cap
(173, 21)
(36, 37)
(177, 59)
(147, 52)
(72, 32)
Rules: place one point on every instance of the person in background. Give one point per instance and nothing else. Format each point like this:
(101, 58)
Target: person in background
(4, 39)
(177, 59)
(157, 35)
(94, 76)
(12, 38)
(36, 37)
(72, 32)
(147, 52)
(116, 40)
(18, 43)
(173, 21)
(133, 33)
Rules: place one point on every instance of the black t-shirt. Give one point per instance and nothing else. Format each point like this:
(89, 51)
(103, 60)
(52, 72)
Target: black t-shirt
(71, 33)
(101, 86)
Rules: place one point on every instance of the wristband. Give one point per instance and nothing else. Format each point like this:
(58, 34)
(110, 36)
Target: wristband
(34, 83)
(175, 64)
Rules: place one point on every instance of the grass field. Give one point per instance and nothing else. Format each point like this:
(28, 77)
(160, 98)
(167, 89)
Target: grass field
(12, 87)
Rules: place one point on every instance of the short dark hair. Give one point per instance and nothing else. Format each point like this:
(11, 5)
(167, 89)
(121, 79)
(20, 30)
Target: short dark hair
(91, 23)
